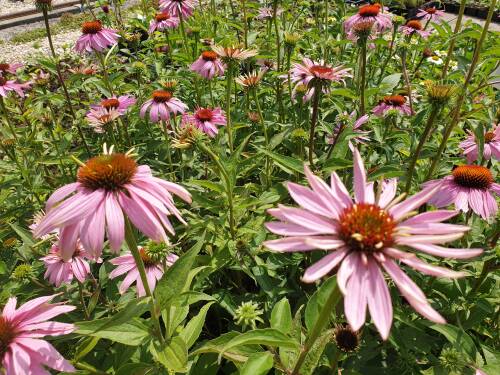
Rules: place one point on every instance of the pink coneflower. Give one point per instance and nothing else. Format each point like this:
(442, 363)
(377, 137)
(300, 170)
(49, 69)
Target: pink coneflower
(491, 145)
(364, 236)
(250, 80)
(414, 27)
(310, 72)
(206, 119)
(95, 37)
(266, 13)
(178, 8)
(100, 117)
(468, 186)
(392, 103)
(161, 105)
(21, 349)
(163, 21)
(431, 14)
(10, 68)
(107, 187)
(18, 88)
(119, 104)
(233, 54)
(208, 65)
(370, 13)
(126, 264)
(61, 270)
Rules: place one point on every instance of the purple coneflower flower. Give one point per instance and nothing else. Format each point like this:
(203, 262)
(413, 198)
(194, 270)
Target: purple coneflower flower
(100, 117)
(61, 270)
(119, 104)
(161, 105)
(491, 145)
(208, 65)
(431, 14)
(95, 37)
(163, 21)
(126, 264)
(206, 119)
(266, 13)
(370, 13)
(108, 187)
(468, 186)
(18, 88)
(178, 8)
(414, 27)
(309, 71)
(365, 236)
(10, 68)
(392, 103)
(23, 350)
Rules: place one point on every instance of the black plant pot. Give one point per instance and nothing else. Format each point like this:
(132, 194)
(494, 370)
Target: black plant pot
(470, 11)
(482, 13)
(451, 7)
(496, 17)
(411, 13)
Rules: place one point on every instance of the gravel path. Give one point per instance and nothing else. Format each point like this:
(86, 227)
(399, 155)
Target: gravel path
(11, 6)
(22, 52)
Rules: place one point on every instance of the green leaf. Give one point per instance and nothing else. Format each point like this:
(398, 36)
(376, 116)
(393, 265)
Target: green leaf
(173, 281)
(239, 354)
(390, 82)
(132, 310)
(317, 301)
(266, 336)
(132, 333)
(459, 338)
(23, 233)
(314, 355)
(173, 355)
(479, 135)
(258, 364)
(192, 330)
(134, 368)
(287, 163)
(281, 316)
(334, 164)
(207, 184)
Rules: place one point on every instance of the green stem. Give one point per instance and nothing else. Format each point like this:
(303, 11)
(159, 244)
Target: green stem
(314, 120)
(7, 119)
(105, 75)
(321, 323)
(183, 32)
(456, 111)
(82, 301)
(423, 138)
(266, 136)
(406, 78)
(363, 79)
(229, 80)
(132, 245)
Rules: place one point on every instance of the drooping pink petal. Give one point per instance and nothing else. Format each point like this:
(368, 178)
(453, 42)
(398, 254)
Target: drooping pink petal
(323, 266)
(379, 300)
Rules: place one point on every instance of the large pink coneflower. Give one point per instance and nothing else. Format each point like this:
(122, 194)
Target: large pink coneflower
(365, 236)
(208, 65)
(310, 72)
(59, 270)
(161, 105)
(370, 13)
(163, 21)
(18, 88)
(22, 351)
(491, 145)
(108, 187)
(95, 37)
(468, 186)
(178, 8)
(414, 27)
(206, 119)
(392, 103)
(120, 104)
(431, 14)
(10, 68)
(154, 270)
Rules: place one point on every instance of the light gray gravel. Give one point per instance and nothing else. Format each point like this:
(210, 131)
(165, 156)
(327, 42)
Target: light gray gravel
(11, 6)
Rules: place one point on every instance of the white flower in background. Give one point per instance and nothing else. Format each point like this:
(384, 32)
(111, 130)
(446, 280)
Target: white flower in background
(435, 60)
(453, 65)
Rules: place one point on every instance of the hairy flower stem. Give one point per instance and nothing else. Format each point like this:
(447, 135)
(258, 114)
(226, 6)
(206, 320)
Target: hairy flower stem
(362, 85)
(458, 25)
(183, 32)
(7, 119)
(314, 120)
(461, 98)
(82, 301)
(266, 137)
(229, 81)
(132, 245)
(228, 186)
(389, 56)
(423, 139)
(245, 23)
(105, 75)
(406, 78)
(319, 325)
(61, 80)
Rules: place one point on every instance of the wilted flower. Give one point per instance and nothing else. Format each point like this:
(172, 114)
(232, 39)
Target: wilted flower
(346, 339)
(206, 119)
(95, 37)
(108, 187)
(491, 145)
(233, 54)
(363, 237)
(154, 270)
(187, 135)
(208, 65)
(163, 21)
(468, 186)
(22, 349)
(414, 27)
(250, 80)
(119, 104)
(161, 105)
(100, 117)
(392, 103)
(268, 13)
